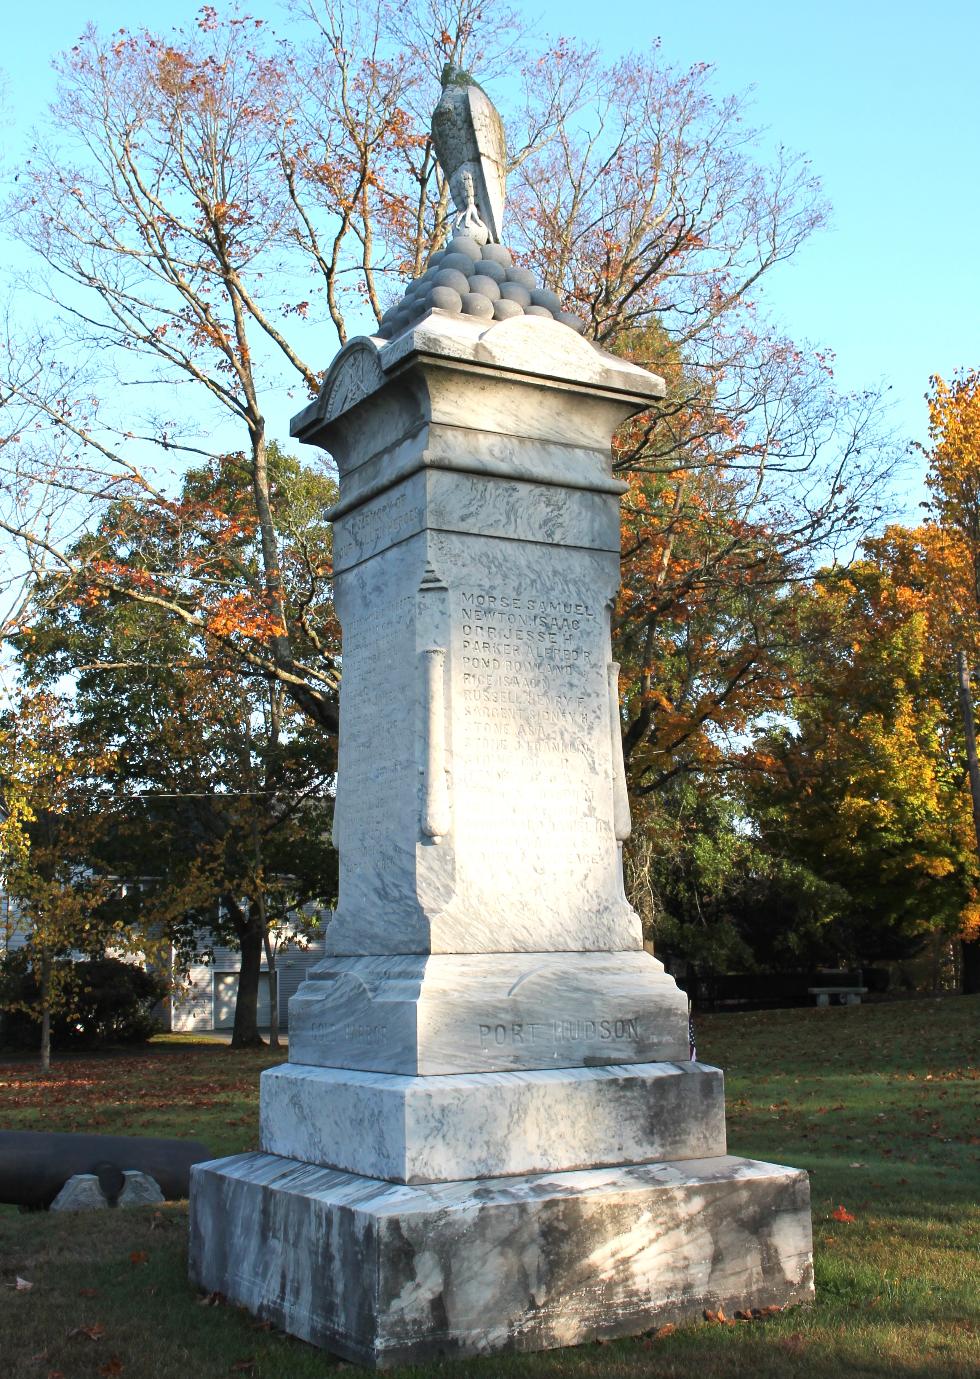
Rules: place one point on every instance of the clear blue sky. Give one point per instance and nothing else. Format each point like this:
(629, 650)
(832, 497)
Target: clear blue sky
(883, 98)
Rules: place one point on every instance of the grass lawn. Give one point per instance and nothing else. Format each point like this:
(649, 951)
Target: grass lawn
(880, 1103)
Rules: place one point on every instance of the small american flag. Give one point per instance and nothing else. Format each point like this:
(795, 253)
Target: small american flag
(690, 1032)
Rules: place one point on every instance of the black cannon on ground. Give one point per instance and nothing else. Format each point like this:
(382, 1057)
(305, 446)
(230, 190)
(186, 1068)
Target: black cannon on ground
(35, 1165)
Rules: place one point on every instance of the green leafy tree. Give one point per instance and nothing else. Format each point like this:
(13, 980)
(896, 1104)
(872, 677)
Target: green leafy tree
(712, 893)
(50, 786)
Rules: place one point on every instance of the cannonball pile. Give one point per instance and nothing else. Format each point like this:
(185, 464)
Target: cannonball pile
(482, 281)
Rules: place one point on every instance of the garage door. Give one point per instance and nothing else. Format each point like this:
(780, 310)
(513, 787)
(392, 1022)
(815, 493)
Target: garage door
(225, 993)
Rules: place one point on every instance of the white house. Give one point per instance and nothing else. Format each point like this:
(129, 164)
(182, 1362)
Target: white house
(205, 998)
(205, 992)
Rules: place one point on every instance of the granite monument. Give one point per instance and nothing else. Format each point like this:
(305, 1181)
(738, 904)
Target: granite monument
(489, 1133)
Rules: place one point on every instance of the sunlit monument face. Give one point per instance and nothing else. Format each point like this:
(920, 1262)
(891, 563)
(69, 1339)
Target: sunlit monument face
(489, 1133)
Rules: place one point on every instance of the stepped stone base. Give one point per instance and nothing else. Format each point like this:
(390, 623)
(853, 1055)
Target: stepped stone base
(486, 1125)
(388, 1274)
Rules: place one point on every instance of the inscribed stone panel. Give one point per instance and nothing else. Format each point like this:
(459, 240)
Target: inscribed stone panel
(537, 863)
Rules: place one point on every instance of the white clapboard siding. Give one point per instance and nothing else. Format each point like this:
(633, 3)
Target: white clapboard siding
(12, 934)
(191, 1007)
(206, 1000)
(293, 966)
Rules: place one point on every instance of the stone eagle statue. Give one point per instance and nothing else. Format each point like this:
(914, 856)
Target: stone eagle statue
(468, 137)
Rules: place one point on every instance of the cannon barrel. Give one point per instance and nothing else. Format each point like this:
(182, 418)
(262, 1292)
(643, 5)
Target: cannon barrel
(35, 1165)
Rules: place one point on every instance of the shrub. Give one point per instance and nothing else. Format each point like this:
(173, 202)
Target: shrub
(108, 1002)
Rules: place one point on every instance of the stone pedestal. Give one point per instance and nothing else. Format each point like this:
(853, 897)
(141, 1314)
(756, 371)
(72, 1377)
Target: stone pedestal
(488, 1134)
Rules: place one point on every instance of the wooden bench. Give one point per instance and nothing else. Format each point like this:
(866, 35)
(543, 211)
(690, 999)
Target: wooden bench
(849, 995)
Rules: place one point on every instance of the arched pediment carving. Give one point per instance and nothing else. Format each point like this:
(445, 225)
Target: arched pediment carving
(354, 374)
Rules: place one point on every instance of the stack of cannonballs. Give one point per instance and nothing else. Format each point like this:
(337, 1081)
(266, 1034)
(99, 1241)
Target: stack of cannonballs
(468, 279)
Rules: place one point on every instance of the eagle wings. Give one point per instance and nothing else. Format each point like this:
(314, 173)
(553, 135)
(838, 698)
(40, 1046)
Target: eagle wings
(468, 137)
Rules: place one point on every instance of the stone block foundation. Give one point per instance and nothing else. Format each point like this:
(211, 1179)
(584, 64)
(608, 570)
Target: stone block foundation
(388, 1274)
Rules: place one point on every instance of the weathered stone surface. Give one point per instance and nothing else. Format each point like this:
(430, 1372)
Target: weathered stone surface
(486, 1023)
(542, 359)
(446, 299)
(83, 1193)
(475, 1012)
(476, 505)
(391, 1275)
(475, 606)
(140, 1190)
(463, 244)
(475, 1125)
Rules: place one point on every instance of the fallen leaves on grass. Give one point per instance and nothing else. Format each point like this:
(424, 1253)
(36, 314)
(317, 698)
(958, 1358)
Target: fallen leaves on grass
(246, 1366)
(660, 1334)
(745, 1314)
(87, 1081)
(138, 1257)
(95, 1332)
(112, 1367)
(840, 1213)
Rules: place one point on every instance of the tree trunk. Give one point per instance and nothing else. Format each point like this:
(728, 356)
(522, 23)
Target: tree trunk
(269, 542)
(970, 965)
(245, 1034)
(270, 962)
(313, 702)
(45, 985)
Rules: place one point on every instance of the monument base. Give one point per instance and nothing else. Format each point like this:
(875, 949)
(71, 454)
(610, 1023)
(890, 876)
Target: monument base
(387, 1274)
(458, 1127)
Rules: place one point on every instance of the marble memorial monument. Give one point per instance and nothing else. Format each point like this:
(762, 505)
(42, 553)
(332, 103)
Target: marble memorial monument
(489, 1133)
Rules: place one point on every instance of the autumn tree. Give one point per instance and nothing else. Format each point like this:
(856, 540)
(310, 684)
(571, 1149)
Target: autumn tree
(870, 786)
(198, 198)
(866, 785)
(221, 797)
(217, 210)
(948, 554)
(713, 894)
(159, 207)
(203, 199)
